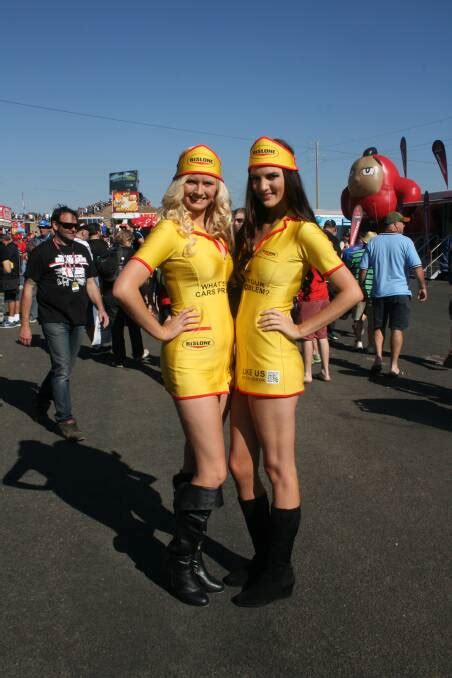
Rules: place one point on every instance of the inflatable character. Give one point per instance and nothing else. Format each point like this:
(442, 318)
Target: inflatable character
(375, 184)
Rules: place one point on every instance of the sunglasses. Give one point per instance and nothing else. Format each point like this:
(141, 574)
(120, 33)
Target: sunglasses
(69, 226)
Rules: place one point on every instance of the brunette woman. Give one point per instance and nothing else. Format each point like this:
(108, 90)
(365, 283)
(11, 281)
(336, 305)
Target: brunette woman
(277, 245)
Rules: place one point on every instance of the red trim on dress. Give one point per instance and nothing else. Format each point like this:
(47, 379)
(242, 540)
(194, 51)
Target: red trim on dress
(214, 240)
(198, 329)
(266, 237)
(334, 269)
(203, 395)
(268, 395)
(150, 269)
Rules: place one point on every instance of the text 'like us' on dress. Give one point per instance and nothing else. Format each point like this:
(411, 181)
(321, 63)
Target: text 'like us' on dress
(197, 362)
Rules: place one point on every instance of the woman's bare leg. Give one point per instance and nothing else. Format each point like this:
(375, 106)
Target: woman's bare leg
(306, 346)
(325, 355)
(202, 421)
(244, 455)
(274, 421)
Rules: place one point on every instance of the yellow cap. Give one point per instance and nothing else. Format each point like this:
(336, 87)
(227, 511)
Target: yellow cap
(199, 160)
(266, 152)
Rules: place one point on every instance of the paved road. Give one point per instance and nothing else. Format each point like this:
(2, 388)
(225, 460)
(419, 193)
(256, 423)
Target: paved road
(84, 527)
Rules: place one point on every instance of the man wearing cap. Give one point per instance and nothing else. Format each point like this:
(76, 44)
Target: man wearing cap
(45, 232)
(393, 257)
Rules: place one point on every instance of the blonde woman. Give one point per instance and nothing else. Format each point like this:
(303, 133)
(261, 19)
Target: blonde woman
(190, 245)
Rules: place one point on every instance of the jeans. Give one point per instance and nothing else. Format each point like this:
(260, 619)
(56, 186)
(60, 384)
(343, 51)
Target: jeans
(63, 341)
(34, 306)
(118, 322)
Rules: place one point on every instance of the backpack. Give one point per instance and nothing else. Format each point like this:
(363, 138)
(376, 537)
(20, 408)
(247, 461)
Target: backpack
(110, 266)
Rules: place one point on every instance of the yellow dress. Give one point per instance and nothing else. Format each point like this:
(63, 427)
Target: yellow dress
(197, 362)
(268, 363)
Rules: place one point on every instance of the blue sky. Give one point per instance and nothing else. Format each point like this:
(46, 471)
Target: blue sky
(348, 75)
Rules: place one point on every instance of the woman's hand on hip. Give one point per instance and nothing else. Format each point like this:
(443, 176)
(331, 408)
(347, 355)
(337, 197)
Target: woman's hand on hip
(183, 321)
(272, 320)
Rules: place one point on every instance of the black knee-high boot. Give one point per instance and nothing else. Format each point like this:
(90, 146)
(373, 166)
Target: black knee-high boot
(208, 582)
(192, 505)
(277, 578)
(257, 518)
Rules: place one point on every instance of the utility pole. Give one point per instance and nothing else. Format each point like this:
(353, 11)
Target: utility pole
(317, 183)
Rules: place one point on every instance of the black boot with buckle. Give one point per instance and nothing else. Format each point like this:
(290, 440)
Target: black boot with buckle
(192, 505)
(208, 582)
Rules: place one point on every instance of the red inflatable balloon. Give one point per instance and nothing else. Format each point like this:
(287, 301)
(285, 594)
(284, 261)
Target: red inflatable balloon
(375, 184)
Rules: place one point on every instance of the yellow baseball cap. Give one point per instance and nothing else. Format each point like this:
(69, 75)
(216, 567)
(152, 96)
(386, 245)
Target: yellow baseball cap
(199, 160)
(266, 152)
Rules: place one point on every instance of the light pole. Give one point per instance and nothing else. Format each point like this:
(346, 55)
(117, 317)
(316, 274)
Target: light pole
(317, 181)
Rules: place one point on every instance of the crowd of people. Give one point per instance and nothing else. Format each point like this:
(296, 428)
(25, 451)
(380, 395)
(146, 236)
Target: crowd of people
(217, 289)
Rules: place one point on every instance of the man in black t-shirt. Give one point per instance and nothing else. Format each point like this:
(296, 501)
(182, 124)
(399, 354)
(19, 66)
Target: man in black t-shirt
(9, 280)
(64, 275)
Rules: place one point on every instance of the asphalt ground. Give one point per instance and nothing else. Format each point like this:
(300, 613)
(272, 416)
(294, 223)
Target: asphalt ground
(84, 526)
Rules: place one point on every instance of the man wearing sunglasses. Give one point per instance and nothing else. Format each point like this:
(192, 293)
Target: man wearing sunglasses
(63, 273)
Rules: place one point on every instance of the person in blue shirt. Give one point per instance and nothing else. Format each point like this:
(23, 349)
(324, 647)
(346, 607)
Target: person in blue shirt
(393, 257)
(352, 257)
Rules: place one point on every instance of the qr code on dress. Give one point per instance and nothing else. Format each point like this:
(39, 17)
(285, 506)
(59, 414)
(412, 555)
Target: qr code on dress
(272, 377)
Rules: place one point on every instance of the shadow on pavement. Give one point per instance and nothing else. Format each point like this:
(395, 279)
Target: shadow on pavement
(21, 394)
(350, 368)
(421, 389)
(428, 363)
(86, 353)
(426, 413)
(37, 341)
(100, 485)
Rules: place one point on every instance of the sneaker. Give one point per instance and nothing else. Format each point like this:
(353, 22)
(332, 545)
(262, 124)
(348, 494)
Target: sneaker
(316, 359)
(359, 345)
(332, 336)
(143, 358)
(70, 431)
(8, 324)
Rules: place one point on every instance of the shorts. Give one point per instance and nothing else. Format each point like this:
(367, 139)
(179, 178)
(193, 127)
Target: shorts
(12, 295)
(309, 309)
(396, 309)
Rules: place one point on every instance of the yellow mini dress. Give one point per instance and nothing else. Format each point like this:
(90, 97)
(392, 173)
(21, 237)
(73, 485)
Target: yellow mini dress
(268, 363)
(196, 363)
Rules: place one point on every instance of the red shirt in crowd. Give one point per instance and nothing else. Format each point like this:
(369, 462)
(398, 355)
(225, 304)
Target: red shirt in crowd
(318, 289)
